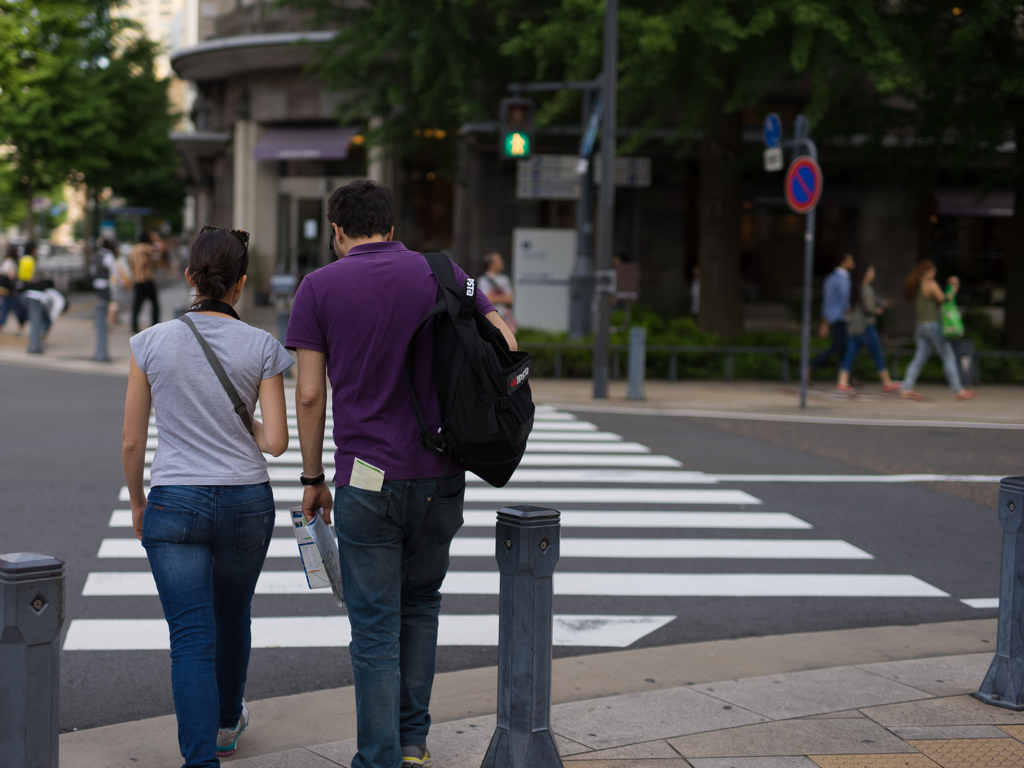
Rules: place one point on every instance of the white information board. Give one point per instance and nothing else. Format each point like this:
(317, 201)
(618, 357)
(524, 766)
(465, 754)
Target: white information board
(542, 261)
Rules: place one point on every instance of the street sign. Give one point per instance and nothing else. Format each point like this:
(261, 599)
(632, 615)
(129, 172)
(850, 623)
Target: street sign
(803, 184)
(773, 159)
(772, 130)
(555, 177)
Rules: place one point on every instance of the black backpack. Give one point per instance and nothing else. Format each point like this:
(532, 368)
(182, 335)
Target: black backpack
(483, 388)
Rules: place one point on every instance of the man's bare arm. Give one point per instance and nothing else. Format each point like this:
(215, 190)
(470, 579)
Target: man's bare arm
(498, 323)
(311, 414)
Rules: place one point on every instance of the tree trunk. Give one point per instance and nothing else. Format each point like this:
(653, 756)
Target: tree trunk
(721, 302)
(1014, 318)
(30, 223)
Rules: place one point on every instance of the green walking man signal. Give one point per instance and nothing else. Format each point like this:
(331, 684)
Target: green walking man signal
(515, 133)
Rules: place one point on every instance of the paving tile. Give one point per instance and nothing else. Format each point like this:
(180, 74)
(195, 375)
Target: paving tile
(950, 710)
(1017, 731)
(952, 732)
(616, 721)
(846, 713)
(677, 763)
(943, 676)
(293, 758)
(816, 692)
(874, 761)
(752, 762)
(568, 747)
(973, 753)
(650, 750)
(792, 737)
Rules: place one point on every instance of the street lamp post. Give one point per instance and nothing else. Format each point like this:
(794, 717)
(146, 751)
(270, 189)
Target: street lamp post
(606, 231)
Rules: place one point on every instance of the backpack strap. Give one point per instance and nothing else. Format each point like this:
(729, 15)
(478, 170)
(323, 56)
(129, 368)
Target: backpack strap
(236, 401)
(461, 300)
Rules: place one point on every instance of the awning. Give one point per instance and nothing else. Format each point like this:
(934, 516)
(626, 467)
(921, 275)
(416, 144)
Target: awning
(194, 148)
(304, 144)
(959, 202)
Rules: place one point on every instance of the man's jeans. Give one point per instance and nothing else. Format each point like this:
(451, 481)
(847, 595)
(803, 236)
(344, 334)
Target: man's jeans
(206, 546)
(838, 347)
(393, 605)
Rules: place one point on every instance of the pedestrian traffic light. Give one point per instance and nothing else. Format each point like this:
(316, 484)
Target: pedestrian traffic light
(515, 135)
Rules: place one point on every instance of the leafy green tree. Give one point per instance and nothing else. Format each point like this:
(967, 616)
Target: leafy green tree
(963, 107)
(693, 66)
(48, 109)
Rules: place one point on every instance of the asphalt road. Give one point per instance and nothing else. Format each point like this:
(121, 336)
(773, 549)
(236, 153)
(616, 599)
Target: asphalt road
(61, 477)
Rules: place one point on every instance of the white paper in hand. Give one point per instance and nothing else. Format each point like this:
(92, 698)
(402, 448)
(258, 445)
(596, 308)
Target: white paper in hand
(366, 476)
(318, 550)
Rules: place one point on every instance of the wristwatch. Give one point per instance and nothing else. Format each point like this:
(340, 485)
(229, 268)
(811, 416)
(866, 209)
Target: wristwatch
(312, 480)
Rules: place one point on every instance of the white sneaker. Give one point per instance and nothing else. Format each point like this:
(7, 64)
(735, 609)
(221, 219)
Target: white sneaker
(227, 738)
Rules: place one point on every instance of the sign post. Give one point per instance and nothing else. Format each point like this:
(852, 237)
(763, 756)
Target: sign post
(803, 185)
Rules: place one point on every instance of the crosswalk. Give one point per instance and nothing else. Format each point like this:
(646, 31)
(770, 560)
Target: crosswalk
(638, 530)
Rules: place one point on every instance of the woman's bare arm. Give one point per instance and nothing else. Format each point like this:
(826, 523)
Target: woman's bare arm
(502, 326)
(272, 434)
(137, 404)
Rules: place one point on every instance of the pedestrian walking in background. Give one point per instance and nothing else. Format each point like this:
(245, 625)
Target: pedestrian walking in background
(9, 301)
(835, 311)
(103, 263)
(497, 287)
(120, 286)
(922, 290)
(144, 287)
(27, 263)
(863, 330)
(209, 518)
(352, 321)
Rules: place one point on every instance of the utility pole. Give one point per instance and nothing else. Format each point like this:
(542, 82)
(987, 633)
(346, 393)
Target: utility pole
(606, 234)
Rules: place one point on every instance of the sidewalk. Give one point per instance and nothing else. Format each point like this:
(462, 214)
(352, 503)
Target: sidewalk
(885, 697)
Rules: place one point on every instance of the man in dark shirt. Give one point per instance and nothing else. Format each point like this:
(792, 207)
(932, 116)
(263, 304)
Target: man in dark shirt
(351, 322)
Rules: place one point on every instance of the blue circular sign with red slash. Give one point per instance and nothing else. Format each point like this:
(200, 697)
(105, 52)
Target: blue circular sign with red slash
(803, 185)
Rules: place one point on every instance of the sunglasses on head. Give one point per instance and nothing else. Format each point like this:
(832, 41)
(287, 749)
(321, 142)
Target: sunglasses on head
(239, 234)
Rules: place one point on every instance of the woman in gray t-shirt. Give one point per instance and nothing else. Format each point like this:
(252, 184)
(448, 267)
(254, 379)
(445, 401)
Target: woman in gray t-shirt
(209, 516)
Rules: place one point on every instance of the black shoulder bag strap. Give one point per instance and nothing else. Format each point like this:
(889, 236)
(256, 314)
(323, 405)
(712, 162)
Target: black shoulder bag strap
(236, 401)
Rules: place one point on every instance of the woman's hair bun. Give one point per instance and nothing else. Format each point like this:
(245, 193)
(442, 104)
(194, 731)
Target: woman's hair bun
(216, 261)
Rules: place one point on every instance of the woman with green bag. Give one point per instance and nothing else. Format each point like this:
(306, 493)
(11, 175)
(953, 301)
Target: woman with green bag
(921, 290)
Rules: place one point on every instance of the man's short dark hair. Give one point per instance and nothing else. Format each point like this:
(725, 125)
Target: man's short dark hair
(362, 208)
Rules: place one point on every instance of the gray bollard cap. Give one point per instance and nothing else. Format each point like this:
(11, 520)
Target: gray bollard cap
(28, 564)
(528, 513)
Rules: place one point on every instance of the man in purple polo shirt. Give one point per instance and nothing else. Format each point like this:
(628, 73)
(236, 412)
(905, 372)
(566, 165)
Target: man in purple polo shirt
(352, 321)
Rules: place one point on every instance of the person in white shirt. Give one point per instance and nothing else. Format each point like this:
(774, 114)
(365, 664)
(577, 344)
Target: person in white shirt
(497, 287)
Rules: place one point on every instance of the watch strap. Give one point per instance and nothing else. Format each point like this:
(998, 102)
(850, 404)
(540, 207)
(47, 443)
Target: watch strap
(312, 480)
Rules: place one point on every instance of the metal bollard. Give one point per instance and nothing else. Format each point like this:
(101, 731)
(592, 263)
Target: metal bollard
(32, 607)
(1004, 684)
(728, 367)
(527, 551)
(35, 327)
(673, 373)
(102, 352)
(637, 362)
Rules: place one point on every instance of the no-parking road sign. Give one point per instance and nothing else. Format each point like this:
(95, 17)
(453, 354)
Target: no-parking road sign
(803, 185)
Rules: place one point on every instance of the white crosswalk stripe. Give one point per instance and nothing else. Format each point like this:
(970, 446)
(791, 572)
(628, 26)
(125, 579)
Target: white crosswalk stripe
(610, 490)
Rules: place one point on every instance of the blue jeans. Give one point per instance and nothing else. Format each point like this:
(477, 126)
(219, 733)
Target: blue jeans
(867, 339)
(206, 546)
(929, 336)
(837, 347)
(10, 305)
(393, 606)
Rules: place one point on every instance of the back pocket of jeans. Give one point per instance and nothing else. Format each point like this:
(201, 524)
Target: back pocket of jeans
(445, 518)
(253, 530)
(361, 515)
(168, 524)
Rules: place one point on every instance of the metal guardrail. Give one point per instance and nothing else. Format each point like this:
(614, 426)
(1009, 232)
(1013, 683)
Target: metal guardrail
(787, 355)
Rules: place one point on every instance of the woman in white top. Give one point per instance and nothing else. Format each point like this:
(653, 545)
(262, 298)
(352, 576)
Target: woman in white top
(208, 520)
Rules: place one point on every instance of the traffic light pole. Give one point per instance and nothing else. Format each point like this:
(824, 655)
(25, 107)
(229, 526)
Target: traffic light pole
(606, 233)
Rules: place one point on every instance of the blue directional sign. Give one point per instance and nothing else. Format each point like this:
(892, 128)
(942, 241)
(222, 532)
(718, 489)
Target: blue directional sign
(772, 130)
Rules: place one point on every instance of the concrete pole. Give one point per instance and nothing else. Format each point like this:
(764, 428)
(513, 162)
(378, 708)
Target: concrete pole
(527, 547)
(637, 362)
(606, 238)
(35, 327)
(32, 609)
(1004, 684)
(102, 352)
